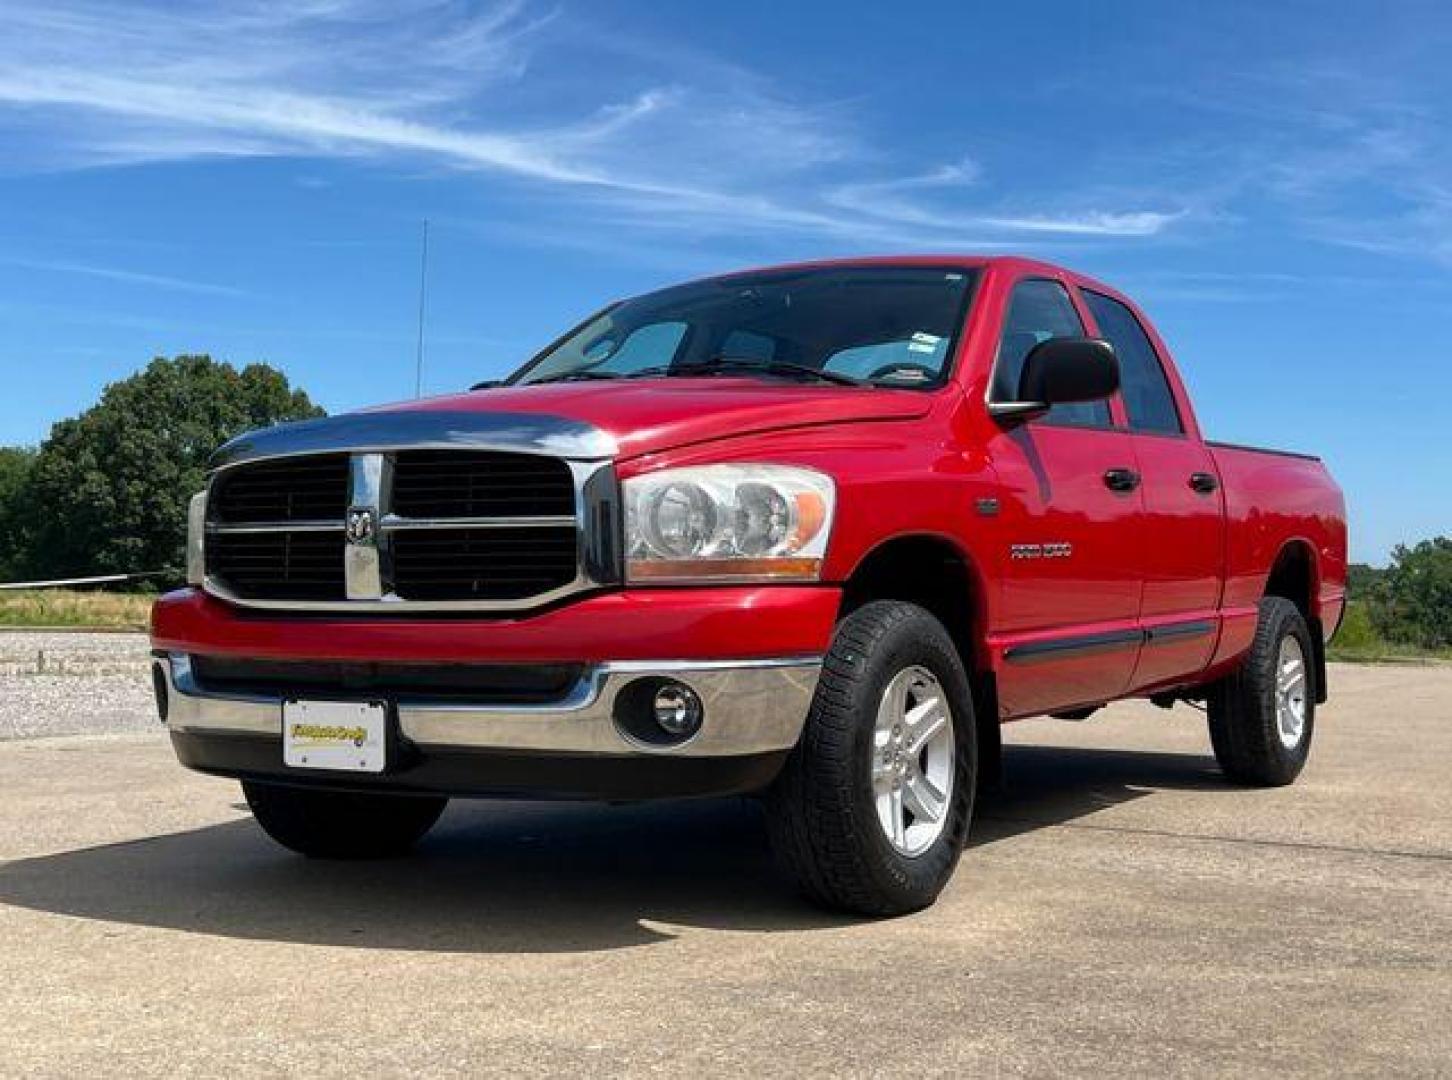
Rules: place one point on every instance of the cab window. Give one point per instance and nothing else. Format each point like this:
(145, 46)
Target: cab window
(1038, 310)
(1143, 386)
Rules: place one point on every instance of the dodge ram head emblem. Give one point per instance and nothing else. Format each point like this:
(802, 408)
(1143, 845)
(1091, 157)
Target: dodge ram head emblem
(360, 525)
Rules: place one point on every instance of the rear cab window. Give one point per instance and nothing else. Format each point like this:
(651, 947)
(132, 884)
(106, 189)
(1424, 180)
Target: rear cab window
(1148, 399)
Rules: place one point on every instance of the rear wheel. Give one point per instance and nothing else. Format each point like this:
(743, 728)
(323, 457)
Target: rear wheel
(1262, 716)
(341, 824)
(872, 809)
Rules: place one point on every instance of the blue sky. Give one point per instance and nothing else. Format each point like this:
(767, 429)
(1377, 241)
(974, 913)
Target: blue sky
(248, 179)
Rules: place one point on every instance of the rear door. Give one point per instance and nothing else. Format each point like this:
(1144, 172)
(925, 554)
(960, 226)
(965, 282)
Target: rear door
(1067, 631)
(1183, 528)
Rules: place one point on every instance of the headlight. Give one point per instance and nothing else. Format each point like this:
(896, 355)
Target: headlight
(735, 522)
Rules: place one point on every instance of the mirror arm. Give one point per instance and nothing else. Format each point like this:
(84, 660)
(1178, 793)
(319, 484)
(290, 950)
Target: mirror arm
(1014, 411)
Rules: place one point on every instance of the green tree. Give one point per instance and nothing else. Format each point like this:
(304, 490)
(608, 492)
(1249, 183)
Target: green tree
(108, 490)
(1363, 580)
(15, 465)
(1413, 602)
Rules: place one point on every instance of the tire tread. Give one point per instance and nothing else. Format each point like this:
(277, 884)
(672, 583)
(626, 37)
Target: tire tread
(815, 816)
(1241, 707)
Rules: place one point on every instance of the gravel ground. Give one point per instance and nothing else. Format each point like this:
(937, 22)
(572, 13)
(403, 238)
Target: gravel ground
(55, 683)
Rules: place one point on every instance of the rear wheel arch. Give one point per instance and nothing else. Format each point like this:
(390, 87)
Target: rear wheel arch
(1295, 576)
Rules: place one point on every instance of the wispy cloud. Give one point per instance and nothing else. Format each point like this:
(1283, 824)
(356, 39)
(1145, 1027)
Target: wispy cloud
(698, 145)
(935, 200)
(129, 277)
(1092, 223)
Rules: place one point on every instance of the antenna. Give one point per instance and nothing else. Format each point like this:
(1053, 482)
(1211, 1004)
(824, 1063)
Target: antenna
(423, 281)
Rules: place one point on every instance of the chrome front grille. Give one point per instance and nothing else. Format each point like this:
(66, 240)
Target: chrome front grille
(431, 528)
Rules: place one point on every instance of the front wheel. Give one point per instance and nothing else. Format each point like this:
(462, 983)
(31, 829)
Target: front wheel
(1262, 715)
(341, 824)
(872, 810)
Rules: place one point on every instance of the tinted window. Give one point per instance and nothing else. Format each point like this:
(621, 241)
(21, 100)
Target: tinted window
(896, 324)
(1037, 311)
(1146, 391)
(645, 346)
(902, 363)
(748, 346)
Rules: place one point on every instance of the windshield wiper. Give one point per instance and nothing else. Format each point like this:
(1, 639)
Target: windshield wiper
(717, 365)
(584, 375)
(770, 367)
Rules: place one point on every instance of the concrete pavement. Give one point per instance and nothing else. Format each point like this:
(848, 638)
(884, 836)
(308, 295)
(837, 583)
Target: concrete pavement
(1121, 910)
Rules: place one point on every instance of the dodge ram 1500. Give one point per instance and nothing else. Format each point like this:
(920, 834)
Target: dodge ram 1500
(812, 531)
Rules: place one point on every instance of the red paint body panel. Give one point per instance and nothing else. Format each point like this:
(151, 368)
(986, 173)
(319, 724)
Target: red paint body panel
(658, 414)
(738, 622)
(907, 463)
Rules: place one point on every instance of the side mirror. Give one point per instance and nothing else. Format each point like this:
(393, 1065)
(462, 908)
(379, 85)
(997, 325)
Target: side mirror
(1062, 370)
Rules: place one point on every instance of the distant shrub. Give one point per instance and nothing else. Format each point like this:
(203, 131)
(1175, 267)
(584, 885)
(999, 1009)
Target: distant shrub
(1357, 634)
(1412, 604)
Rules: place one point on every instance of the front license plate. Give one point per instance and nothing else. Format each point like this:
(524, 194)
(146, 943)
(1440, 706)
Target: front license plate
(347, 736)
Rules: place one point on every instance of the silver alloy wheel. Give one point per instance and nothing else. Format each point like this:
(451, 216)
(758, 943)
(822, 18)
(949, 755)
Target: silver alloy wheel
(1290, 692)
(913, 761)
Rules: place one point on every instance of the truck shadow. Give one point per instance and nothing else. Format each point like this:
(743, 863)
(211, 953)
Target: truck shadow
(1052, 785)
(530, 878)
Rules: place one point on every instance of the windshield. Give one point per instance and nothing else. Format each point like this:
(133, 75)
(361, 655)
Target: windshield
(888, 325)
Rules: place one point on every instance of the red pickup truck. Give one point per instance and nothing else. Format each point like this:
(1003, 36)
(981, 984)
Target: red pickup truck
(812, 531)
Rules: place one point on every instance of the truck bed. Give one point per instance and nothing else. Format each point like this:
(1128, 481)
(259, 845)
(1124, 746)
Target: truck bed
(1272, 498)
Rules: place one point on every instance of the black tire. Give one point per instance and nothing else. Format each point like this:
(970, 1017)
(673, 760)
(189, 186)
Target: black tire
(341, 824)
(821, 811)
(1243, 707)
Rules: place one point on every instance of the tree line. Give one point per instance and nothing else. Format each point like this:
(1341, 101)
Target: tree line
(1408, 603)
(107, 491)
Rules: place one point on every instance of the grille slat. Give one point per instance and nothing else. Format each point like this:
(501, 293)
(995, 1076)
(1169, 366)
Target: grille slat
(286, 490)
(512, 683)
(279, 566)
(484, 564)
(449, 483)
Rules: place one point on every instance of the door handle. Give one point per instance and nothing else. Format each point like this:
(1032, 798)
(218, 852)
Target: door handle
(1203, 482)
(1121, 479)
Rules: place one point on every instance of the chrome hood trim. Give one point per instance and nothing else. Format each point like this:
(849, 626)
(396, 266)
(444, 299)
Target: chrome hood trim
(411, 429)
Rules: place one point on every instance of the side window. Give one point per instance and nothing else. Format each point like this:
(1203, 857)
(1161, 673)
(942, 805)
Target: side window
(1146, 391)
(1037, 311)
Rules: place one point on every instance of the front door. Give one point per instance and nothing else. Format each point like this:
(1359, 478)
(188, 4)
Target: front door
(1067, 627)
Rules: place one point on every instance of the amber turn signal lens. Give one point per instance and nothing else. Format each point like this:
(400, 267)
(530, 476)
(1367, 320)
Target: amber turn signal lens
(811, 517)
(662, 570)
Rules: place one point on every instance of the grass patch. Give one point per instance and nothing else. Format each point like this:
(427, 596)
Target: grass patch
(69, 608)
(1358, 640)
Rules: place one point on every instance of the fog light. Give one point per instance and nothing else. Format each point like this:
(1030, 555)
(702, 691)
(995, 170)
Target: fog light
(678, 709)
(657, 712)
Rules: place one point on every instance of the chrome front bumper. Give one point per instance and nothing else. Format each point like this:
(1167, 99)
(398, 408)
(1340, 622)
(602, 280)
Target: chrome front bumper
(751, 707)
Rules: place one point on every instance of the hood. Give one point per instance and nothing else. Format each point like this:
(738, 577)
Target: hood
(649, 415)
